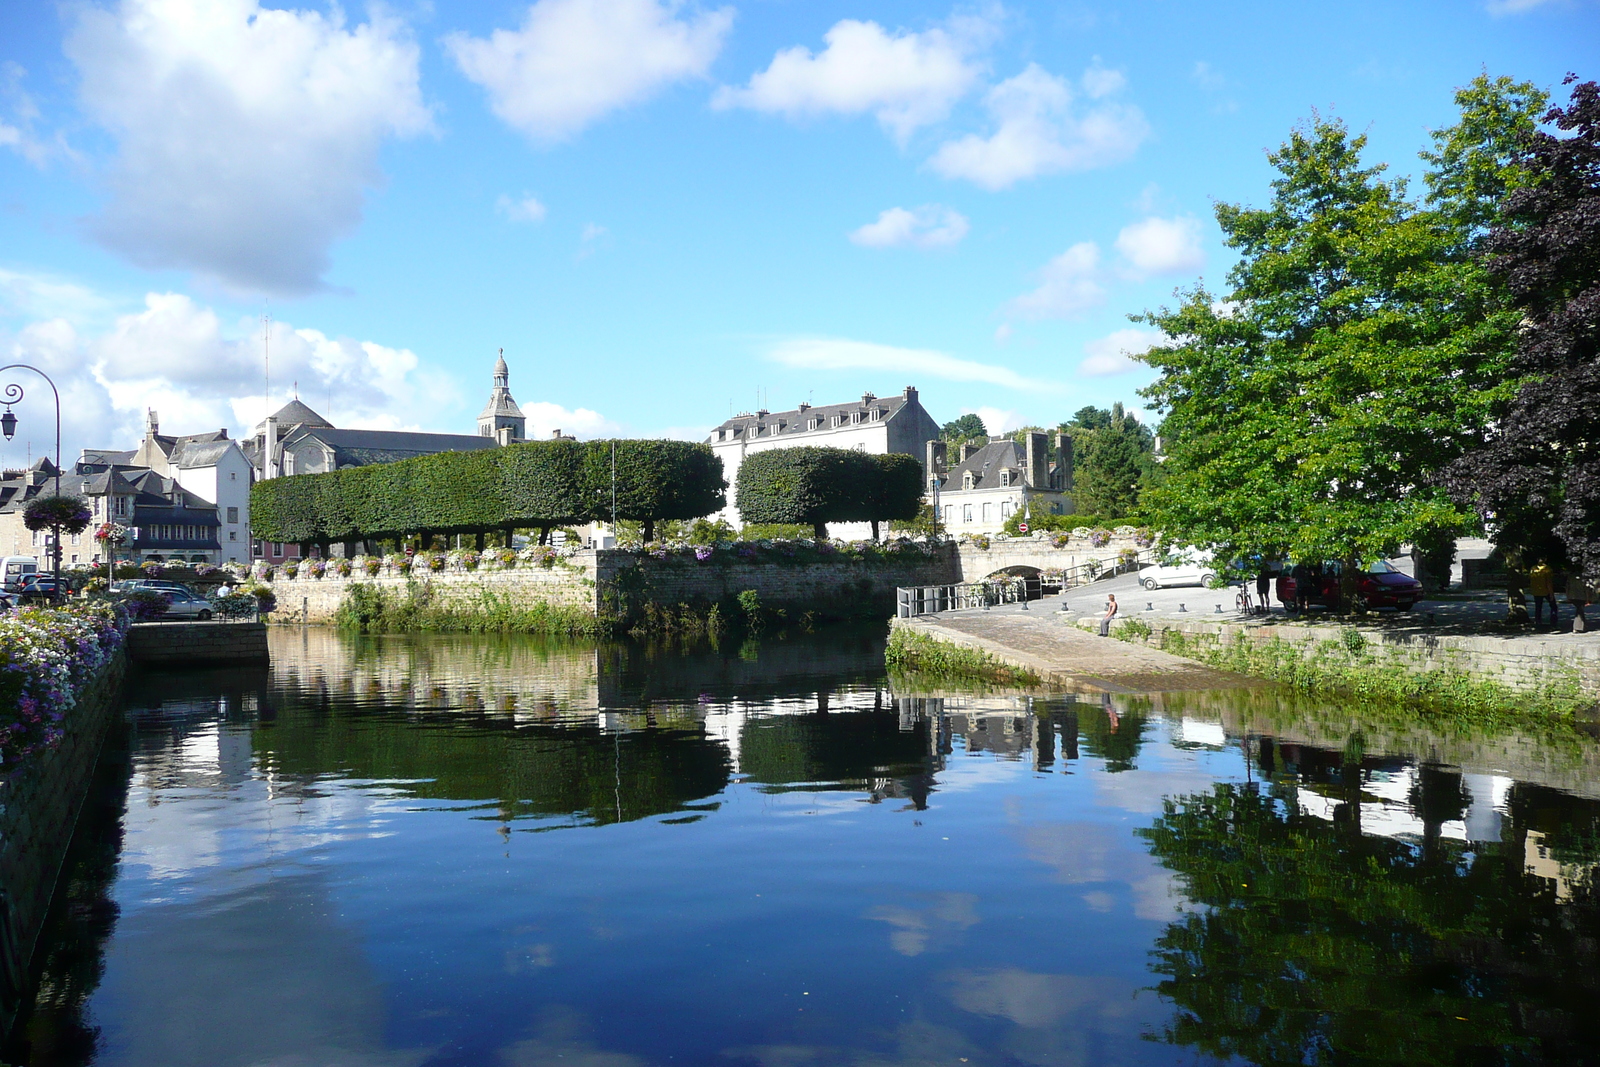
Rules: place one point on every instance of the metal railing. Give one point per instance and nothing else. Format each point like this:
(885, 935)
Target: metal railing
(931, 599)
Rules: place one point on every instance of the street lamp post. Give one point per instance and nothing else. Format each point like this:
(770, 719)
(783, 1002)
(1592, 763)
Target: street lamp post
(12, 394)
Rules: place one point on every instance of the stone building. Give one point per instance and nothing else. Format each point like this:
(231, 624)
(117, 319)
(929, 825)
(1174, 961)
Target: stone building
(879, 425)
(990, 483)
(501, 418)
(166, 520)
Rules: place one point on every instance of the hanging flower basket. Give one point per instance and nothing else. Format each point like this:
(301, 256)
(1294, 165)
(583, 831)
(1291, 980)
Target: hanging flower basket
(68, 512)
(112, 532)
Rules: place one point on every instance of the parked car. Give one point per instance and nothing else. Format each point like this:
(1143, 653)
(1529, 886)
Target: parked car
(1379, 585)
(16, 570)
(1189, 567)
(182, 604)
(41, 586)
(155, 585)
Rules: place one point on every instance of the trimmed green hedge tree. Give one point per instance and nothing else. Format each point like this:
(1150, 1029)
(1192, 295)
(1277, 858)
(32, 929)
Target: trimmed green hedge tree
(540, 483)
(815, 486)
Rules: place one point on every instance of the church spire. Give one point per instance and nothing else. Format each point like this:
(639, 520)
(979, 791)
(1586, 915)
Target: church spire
(501, 418)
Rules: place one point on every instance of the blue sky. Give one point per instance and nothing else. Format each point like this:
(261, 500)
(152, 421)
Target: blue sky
(661, 211)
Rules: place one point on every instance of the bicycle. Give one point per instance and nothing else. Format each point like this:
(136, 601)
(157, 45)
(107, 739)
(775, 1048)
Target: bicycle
(1244, 602)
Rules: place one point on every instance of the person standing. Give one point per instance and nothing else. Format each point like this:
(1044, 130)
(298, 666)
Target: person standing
(1111, 613)
(1302, 586)
(1542, 584)
(1264, 586)
(1578, 593)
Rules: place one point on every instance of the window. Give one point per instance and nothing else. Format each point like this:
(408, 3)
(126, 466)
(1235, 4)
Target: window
(1005, 478)
(947, 511)
(233, 535)
(233, 514)
(233, 477)
(122, 505)
(277, 548)
(1005, 510)
(255, 548)
(966, 512)
(966, 479)
(986, 513)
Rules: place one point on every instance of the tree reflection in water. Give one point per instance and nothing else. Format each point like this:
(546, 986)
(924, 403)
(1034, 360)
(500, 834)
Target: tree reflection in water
(1312, 942)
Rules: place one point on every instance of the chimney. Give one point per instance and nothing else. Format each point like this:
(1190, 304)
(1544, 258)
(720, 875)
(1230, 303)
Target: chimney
(1037, 472)
(152, 425)
(1064, 460)
(555, 434)
(867, 398)
(968, 450)
(910, 394)
(502, 435)
(935, 458)
(804, 406)
(269, 453)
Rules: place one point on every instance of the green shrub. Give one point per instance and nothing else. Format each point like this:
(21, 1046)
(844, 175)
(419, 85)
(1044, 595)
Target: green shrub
(924, 654)
(815, 486)
(540, 484)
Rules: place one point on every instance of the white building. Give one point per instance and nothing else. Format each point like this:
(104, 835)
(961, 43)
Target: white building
(879, 425)
(990, 483)
(211, 466)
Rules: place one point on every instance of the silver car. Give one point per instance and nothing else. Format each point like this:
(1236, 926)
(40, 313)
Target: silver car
(182, 604)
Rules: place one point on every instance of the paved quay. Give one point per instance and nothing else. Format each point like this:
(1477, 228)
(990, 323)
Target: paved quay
(1045, 642)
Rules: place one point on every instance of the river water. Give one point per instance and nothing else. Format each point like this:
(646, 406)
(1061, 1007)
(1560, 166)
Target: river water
(470, 850)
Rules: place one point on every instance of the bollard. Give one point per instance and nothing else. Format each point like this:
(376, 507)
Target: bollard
(1182, 608)
(1149, 605)
(1218, 611)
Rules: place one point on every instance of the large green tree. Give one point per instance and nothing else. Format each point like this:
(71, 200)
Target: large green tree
(1537, 478)
(1357, 350)
(1112, 454)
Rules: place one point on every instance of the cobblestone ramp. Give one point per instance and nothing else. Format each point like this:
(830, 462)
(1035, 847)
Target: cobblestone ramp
(1065, 657)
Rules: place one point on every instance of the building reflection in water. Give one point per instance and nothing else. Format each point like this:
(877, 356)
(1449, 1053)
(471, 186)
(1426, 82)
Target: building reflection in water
(1453, 875)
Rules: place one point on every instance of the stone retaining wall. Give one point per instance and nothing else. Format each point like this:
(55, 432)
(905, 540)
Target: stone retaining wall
(1520, 663)
(39, 808)
(182, 644)
(604, 581)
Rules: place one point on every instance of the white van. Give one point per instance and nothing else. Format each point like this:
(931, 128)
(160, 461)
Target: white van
(1190, 566)
(15, 569)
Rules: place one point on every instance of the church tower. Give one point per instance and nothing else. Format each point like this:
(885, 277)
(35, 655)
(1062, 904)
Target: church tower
(501, 418)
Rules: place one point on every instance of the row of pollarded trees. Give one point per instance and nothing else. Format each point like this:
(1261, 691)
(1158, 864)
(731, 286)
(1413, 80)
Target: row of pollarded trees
(545, 484)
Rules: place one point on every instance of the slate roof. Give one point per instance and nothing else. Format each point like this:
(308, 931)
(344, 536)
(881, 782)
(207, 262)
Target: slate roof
(360, 448)
(798, 421)
(192, 453)
(294, 413)
(987, 463)
(107, 456)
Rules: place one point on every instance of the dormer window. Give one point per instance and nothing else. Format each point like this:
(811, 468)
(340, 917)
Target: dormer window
(966, 479)
(1005, 478)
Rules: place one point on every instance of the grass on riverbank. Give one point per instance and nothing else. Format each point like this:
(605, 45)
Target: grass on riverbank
(930, 660)
(372, 610)
(1346, 666)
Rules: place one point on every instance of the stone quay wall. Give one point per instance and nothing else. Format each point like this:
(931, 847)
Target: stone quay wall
(39, 806)
(606, 581)
(1527, 664)
(181, 644)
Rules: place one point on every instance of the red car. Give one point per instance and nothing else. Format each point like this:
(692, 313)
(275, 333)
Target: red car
(1379, 586)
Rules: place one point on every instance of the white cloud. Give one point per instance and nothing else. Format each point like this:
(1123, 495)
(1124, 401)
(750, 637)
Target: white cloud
(905, 79)
(1002, 333)
(525, 208)
(545, 417)
(1113, 354)
(1038, 131)
(18, 106)
(1162, 246)
(1207, 77)
(1068, 285)
(200, 373)
(1515, 7)
(575, 60)
(929, 226)
(832, 354)
(997, 420)
(35, 296)
(246, 135)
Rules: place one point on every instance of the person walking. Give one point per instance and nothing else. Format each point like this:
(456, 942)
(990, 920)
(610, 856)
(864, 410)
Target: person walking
(1542, 584)
(1111, 613)
(1578, 593)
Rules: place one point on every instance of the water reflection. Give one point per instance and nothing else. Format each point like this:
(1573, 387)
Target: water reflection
(771, 857)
